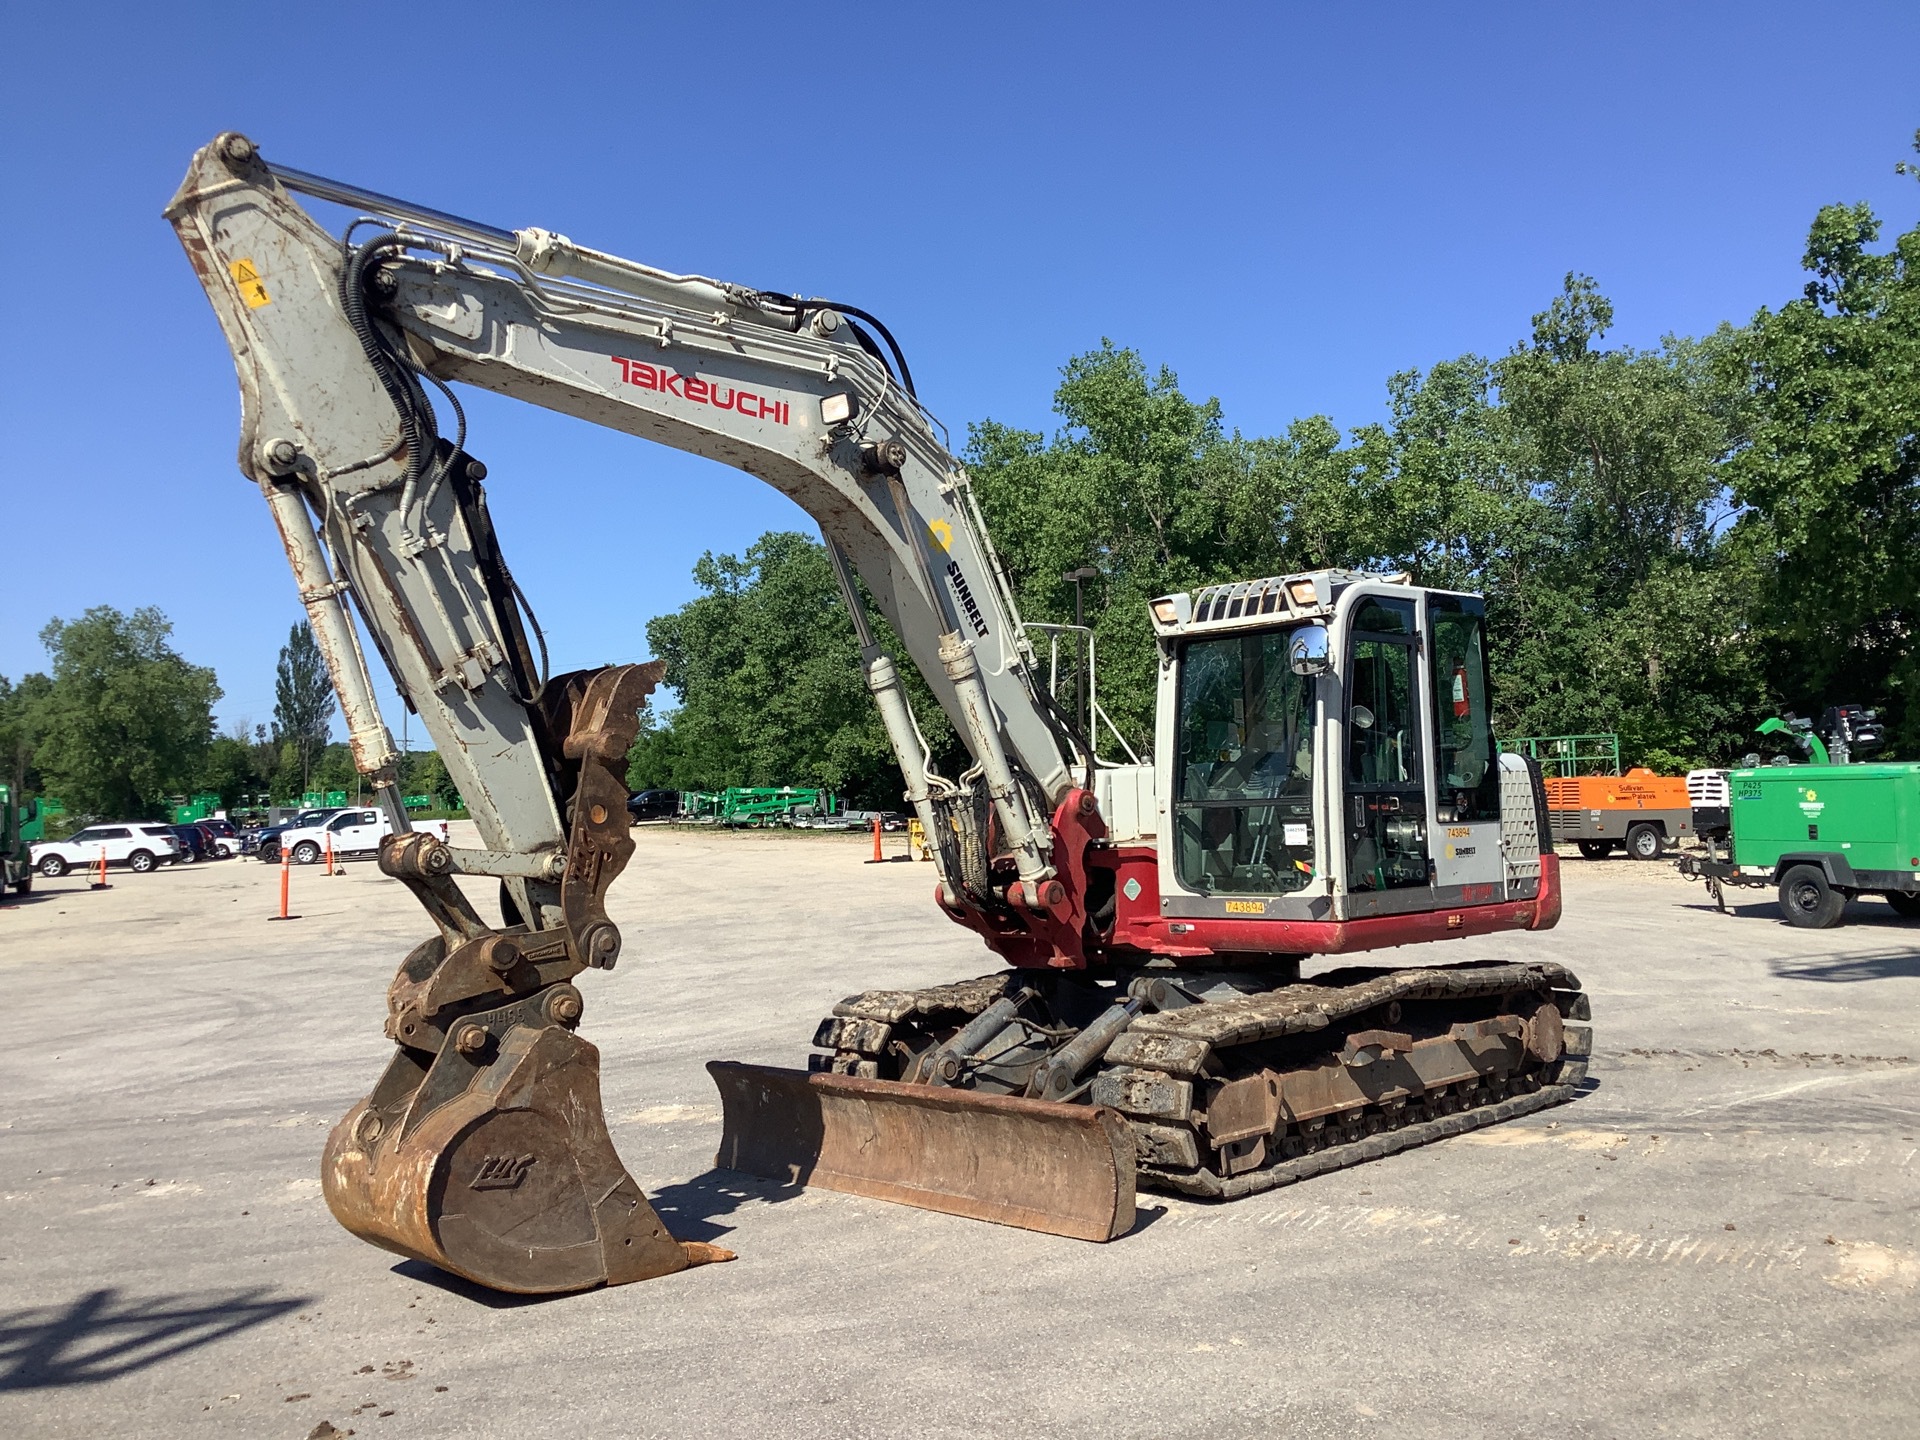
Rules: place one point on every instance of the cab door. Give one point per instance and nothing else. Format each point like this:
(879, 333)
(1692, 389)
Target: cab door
(1465, 836)
(1384, 785)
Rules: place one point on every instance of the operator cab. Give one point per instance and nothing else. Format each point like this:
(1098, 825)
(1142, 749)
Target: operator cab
(1326, 751)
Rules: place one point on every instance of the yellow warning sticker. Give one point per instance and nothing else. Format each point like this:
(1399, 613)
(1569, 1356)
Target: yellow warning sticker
(252, 289)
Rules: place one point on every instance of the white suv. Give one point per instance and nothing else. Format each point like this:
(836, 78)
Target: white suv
(353, 832)
(135, 844)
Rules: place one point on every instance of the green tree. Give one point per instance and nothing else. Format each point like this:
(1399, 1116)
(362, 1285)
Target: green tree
(770, 683)
(19, 708)
(423, 772)
(125, 722)
(1831, 470)
(227, 770)
(302, 704)
(1137, 483)
(1577, 487)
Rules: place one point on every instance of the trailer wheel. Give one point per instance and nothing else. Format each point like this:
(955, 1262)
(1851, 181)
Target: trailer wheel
(1905, 903)
(1595, 849)
(1808, 901)
(1645, 842)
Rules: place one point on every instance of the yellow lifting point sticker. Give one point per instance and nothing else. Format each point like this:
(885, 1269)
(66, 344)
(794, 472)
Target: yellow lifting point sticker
(252, 290)
(940, 532)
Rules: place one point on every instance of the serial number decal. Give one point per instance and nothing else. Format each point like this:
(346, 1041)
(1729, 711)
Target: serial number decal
(703, 392)
(1246, 907)
(965, 595)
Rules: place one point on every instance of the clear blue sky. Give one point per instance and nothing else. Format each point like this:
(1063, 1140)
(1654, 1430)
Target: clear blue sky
(1284, 203)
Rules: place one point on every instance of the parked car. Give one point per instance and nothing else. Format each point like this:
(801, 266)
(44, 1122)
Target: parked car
(863, 820)
(138, 845)
(227, 839)
(654, 804)
(352, 832)
(266, 840)
(195, 843)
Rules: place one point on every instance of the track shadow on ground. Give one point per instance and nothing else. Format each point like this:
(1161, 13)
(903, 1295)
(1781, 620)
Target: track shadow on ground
(1902, 964)
(105, 1334)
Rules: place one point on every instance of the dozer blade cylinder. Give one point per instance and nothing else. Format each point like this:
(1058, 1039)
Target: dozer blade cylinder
(1062, 1169)
(497, 1166)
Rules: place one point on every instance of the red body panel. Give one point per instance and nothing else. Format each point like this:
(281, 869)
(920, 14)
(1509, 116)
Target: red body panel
(1061, 937)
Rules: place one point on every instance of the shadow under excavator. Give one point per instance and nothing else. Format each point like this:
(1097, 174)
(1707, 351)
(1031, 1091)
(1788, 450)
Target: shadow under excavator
(33, 897)
(105, 1334)
(1900, 964)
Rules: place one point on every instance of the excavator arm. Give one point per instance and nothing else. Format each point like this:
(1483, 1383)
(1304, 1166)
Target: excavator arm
(482, 1149)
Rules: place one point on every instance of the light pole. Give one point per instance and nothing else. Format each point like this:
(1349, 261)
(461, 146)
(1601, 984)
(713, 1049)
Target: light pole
(1085, 683)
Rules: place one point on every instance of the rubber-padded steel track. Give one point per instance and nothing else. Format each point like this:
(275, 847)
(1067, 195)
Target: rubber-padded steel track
(1355, 1152)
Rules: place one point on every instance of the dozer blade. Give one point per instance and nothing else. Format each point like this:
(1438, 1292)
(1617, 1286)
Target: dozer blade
(497, 1166)
(1061, 1169)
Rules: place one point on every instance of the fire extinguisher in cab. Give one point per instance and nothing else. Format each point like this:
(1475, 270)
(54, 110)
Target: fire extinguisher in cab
(1460, 706)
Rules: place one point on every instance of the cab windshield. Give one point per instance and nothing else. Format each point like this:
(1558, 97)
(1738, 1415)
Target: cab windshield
(1243, 795)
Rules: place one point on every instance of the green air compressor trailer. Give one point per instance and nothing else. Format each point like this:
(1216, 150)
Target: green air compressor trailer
(1821, 833)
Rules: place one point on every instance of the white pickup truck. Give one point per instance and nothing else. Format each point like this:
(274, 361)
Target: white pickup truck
(352, 832)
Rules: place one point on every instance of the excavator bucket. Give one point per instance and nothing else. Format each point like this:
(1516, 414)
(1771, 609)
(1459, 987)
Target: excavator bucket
(1061, 1169)
(496, 1165)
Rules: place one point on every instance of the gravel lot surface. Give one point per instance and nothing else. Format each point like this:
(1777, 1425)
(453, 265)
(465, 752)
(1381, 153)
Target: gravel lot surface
(1720, 1237)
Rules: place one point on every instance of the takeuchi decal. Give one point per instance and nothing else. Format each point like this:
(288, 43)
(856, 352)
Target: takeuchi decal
(703, 392)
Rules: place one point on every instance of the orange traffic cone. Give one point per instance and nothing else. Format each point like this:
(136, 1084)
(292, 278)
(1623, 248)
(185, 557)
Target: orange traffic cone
(101, 883)
(878, 858)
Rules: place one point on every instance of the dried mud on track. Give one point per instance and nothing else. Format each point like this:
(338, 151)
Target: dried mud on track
(1720, 1235)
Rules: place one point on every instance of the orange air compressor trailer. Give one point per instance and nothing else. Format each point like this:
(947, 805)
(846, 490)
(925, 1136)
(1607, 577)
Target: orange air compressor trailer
(1641, 810)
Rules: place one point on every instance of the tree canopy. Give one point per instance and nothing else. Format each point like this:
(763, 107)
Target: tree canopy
(769, 673)
(1674, 542)
(123, 722)
(302, 704)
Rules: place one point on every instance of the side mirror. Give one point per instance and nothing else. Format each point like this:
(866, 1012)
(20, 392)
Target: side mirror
(1310, 652)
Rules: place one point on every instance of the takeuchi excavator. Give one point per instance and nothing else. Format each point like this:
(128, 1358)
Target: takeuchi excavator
(1324, 780)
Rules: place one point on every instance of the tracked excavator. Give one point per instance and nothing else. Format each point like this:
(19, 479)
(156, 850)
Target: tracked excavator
(1324, 780)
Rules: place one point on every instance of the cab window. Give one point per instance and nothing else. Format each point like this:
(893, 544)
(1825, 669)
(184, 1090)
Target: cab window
(1468, 778)
(1243, 794)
